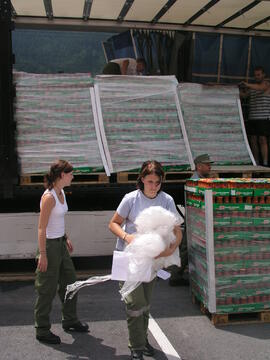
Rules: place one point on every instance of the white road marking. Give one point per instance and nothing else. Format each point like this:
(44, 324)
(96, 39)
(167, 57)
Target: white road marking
(162, 340)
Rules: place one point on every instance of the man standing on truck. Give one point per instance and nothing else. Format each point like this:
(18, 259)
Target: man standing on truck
(125, 66)
(258, 124)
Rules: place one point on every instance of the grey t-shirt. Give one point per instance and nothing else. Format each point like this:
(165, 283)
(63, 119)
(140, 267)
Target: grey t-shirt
(135, 202)
(195, 176)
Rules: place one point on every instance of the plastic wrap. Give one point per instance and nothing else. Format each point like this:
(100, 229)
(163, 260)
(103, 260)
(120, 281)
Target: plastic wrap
(212, 118)
(154, 234)
(125, 121)
(140, 121)
(240, 278)
(54, 120)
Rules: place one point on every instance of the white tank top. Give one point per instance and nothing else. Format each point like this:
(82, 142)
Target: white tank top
(56, 223)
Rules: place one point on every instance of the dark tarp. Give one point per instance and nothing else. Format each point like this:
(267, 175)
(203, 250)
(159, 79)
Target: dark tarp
(165, 53)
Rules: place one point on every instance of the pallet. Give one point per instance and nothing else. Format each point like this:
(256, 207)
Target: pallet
(127, 177)
(233, 171)
(240, 171)
(131, 177)
(79, 179)
(240, 318)
(233, 318)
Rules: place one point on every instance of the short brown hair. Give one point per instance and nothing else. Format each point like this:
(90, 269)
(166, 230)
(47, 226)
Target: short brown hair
(259, 68)
(55, 172)
(141, 60)
(148, 168)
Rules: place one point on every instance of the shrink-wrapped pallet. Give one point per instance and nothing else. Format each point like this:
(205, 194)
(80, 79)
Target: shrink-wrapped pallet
(228, 228)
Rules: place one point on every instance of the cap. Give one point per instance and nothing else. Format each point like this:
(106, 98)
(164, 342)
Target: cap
(203, 159)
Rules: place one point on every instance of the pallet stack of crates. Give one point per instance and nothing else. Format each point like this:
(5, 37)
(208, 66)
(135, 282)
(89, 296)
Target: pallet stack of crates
(228, 229)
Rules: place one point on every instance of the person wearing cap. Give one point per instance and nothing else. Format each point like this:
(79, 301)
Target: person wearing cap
(202, 170)
(202, 167)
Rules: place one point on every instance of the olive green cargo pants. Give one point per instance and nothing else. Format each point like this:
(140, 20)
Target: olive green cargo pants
(137, 311)
(59, 274)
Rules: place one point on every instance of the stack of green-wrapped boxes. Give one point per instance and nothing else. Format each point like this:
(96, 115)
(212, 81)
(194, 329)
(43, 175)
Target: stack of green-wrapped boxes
(228, 232)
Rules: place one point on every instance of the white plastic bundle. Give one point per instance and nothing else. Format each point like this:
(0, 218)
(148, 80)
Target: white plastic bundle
(72, 289)
(155, 227)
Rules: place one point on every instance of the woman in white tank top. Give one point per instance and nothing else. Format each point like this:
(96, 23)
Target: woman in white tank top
(55, 268)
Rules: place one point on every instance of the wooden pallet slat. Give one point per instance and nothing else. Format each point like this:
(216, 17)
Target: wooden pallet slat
(265, 316)
(93, 178)
(233, 318)
(177, 176)
(131, 177)
(126, 177)
(240, 318)
(217, 172)
(31, 179)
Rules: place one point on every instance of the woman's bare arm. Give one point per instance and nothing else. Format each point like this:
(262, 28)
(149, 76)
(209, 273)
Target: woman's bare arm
(47, 204)
(124, 68)
(116, 229)
(264, 86)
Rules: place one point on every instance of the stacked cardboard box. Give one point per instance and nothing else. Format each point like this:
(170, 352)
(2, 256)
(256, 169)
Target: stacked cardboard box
(229, 243)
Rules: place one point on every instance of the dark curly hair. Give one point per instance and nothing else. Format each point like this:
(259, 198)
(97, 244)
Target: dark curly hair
(259, 68)
(55, 172)
(148, 168)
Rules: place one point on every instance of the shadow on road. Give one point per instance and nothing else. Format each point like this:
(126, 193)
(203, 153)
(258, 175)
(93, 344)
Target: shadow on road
(86, 346)
(256, 331)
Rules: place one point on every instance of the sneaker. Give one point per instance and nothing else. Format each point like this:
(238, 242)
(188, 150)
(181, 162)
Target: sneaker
(148, 349)
(76, 327)
(136, 355)
(49, 338)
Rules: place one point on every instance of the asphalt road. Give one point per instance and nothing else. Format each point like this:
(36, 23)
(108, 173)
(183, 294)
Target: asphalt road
(188, 331)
